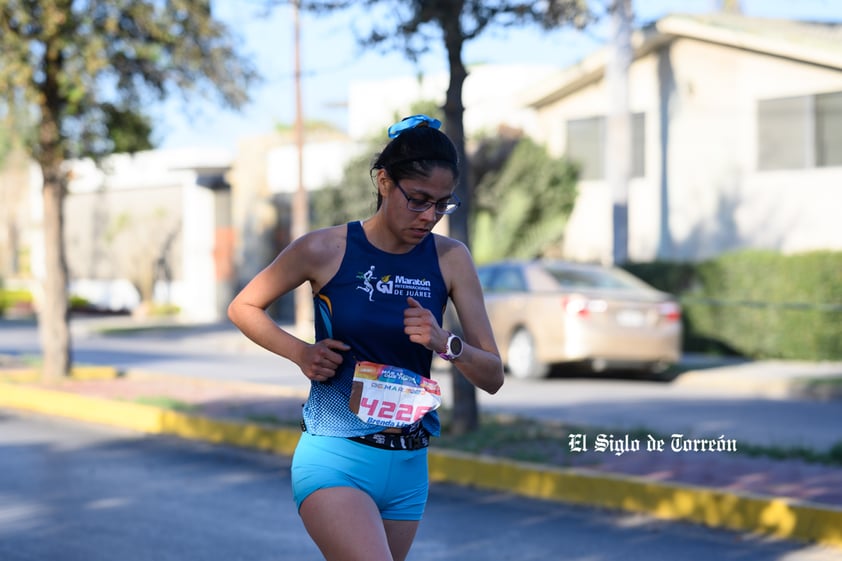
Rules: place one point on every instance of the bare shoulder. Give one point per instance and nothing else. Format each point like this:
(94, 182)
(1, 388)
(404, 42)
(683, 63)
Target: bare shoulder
(451, 249)
(454, 259)
(320, 252)
(323, 243)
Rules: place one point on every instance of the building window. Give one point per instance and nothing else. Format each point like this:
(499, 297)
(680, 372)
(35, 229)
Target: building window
(586, 145)
(800, 132)
(829, 129)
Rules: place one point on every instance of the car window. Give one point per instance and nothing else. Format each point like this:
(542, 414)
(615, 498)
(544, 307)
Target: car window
(508, 279)
(500, 278)
(576, 279)
(485, 275)
(594, 278)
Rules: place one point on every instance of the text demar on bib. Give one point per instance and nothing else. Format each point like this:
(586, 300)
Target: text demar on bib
(390, 396)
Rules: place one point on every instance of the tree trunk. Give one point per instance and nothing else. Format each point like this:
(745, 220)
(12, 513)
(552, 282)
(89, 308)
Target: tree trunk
(54, 312)
(53, 315)
(465, 411)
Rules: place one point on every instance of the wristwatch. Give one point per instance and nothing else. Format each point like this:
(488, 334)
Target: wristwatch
(453, 349)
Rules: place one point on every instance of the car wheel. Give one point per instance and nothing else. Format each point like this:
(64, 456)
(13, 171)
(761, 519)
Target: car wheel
(523, 358)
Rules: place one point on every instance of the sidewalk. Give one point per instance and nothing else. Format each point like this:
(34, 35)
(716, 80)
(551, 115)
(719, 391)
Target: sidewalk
(788, 499)
(264, 404)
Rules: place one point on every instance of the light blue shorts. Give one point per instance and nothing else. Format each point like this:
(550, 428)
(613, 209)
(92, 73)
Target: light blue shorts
(397, 480)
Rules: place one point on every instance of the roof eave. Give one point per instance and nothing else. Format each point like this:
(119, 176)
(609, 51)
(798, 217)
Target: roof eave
(688, 27)
(592, 68)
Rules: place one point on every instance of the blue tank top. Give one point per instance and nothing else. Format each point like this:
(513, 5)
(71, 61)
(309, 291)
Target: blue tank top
(362, 306)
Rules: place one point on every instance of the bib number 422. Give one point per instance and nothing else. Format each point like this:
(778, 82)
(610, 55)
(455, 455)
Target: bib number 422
(390, 411)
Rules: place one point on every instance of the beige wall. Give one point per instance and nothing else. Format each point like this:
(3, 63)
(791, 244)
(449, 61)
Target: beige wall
(125, 216)
(706, 96)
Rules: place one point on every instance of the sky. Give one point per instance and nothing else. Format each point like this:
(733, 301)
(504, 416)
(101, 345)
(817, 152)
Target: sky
(331, 60)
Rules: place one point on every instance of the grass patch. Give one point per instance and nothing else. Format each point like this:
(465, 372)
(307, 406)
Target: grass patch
(20, 361)
(549, 443)
(831, 457)
(530, 440)
(158, 329)
(534, 441)
(273, 420)
(825, 389)
(167, 403)
(518, 439)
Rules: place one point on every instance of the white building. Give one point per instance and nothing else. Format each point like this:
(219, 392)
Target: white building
(737, 142)
(155, 222)
(492, 95)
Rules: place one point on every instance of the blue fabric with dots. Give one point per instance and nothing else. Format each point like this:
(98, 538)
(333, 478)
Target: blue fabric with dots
(363, 305)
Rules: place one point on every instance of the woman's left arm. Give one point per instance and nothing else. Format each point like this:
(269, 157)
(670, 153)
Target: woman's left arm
(480, 360)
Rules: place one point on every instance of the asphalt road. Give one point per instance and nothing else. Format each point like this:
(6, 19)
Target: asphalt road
(745, 415)
(733, 400)
(214, 352)
(76, 492)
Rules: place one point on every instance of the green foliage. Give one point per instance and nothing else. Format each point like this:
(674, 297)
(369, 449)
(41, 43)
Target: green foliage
(676, 278)
(163, 310)
(521, 205)
(16, 126)
(90, 65)
(79, 302)
(10, 298)
(310, 126)
(128, 131)
(759, 304)
(772, 305)
(165, 402)
(425, 107)
(410, 26)
(353, 198)
(532, 440)
(522, 209)
(83, 65)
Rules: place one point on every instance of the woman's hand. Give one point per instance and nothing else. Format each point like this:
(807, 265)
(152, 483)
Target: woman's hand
(320, 360)
(422, 327)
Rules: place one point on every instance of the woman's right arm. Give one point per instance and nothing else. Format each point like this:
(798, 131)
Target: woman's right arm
(294, 266)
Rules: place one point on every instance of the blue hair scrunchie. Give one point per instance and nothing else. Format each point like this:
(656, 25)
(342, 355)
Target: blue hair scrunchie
(411, 122)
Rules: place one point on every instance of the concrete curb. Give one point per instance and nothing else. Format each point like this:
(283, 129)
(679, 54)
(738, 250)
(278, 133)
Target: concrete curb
(774, 516)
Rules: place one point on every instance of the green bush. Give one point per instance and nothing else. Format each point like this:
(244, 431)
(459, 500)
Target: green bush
(79, 302)
(759, 304)
(14, 298)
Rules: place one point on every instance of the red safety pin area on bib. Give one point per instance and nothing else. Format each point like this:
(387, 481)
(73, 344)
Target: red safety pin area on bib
(391, 396)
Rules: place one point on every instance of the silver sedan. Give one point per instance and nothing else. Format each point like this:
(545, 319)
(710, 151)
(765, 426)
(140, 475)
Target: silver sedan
(546, 313)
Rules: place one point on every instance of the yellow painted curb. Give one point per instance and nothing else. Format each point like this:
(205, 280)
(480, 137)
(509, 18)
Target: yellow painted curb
(148, 419)
(779, 517)
(21, 375)
(94, 373)
(24, 375)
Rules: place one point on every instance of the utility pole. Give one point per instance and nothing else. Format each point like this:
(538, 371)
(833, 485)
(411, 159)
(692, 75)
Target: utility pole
(300, 204)
(618, 136)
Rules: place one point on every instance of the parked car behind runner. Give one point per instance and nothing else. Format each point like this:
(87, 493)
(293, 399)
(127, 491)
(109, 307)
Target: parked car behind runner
(552, 312)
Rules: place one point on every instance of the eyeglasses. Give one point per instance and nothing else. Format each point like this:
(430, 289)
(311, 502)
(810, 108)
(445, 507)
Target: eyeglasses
(448, 206)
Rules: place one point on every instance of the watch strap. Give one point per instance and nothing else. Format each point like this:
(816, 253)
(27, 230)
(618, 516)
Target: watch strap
(446, 355)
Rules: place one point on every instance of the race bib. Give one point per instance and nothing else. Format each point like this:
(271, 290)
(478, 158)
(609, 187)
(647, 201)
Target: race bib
(391, 396)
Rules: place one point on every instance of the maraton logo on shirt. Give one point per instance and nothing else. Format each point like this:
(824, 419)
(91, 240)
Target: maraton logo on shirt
(396, 285)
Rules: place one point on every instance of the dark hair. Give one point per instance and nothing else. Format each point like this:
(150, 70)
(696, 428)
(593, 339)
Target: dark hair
(414, 153)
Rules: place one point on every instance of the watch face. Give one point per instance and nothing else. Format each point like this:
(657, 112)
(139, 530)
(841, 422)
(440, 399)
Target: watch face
(455, 346)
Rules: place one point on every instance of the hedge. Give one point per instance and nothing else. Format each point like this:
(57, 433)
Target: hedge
(759, 304)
